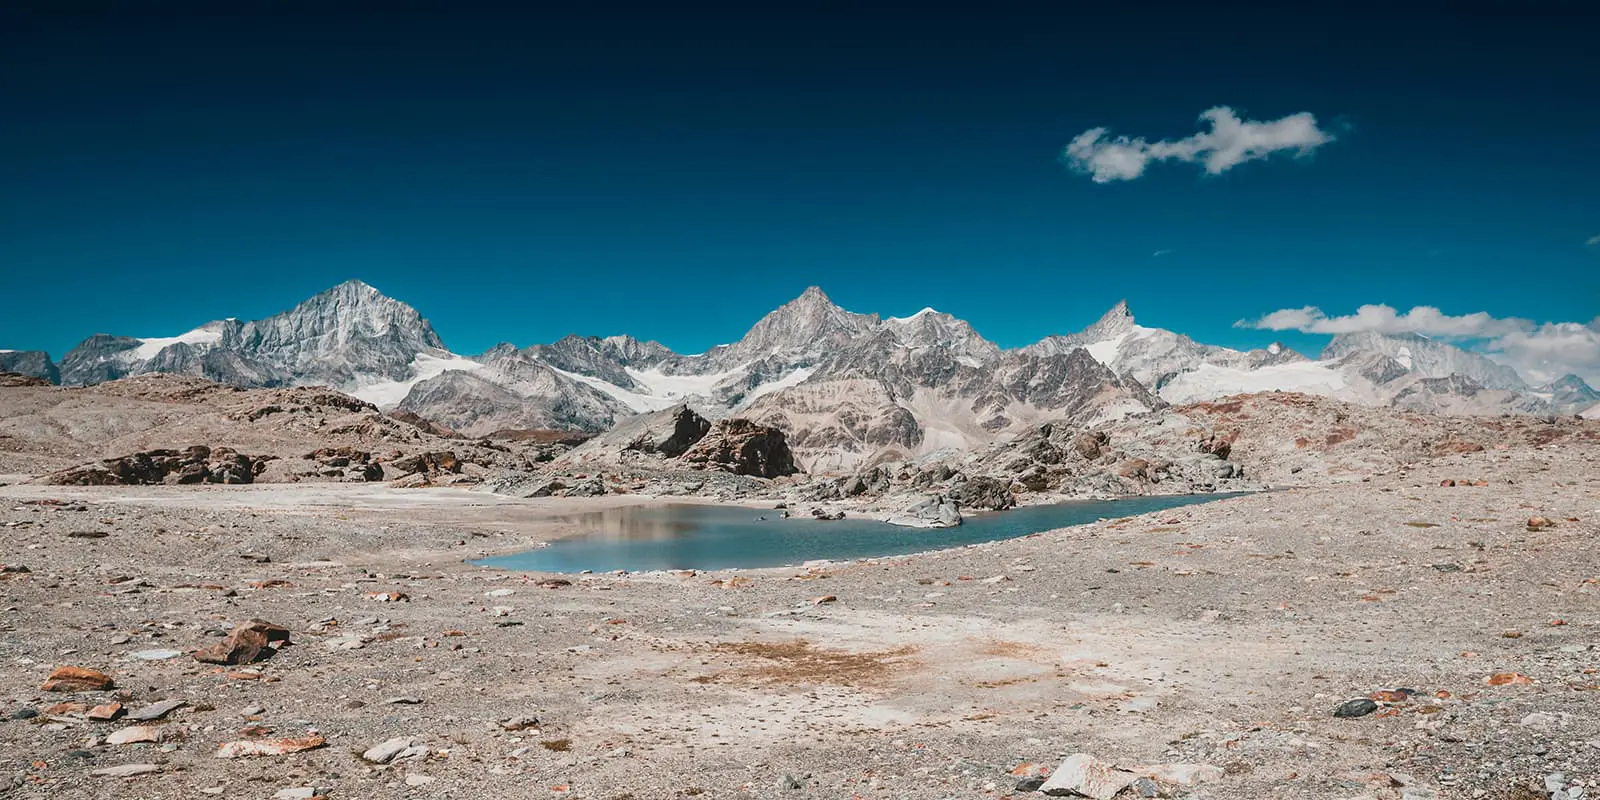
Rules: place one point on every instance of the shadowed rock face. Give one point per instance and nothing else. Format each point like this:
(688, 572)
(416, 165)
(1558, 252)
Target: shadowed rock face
(743, 447)
(672, 436)
(33, 363)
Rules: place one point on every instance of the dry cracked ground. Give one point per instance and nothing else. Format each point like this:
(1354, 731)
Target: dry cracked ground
(1211, 643)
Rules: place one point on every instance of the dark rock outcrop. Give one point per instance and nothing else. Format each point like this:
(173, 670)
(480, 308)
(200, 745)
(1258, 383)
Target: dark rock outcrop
(983, 492)
(743, 447)
(436, 463)
(197, 464)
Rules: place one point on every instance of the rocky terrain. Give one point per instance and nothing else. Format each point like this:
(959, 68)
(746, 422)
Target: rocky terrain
(1422, 627)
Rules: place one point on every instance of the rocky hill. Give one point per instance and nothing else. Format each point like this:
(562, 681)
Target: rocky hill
(147, 428)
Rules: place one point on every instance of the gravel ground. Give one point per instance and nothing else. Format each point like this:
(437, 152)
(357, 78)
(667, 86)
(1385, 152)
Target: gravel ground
(1222, 634)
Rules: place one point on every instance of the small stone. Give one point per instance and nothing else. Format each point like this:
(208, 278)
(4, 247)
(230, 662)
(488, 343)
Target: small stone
(1508, 679)
(154, 655)
(105, 713)
(827, 598)
(251, 711)
(77, 679)
(156, 710)
(300, 793)
(417, 779)
(126, 770)
(791, 783)
(1181, 774)
(384, 752)
(1539, 719)
(500, 593)
(403, 701)
(137, 734)
(1359, 707)
(24, 713)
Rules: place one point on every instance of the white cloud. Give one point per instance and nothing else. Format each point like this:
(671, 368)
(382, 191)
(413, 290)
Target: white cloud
(1165, 251)
(1552, 350)
(1594, 241)
(1539, 352)
(1230, 142)
(1426, 320)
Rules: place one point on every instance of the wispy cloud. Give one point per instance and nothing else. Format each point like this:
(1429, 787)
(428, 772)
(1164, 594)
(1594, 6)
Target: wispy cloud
(1594, 241)
(1231, 141)
(1540, 352)
(1165, 251)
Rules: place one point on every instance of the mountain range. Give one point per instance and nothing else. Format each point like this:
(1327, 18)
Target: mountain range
(847, 388)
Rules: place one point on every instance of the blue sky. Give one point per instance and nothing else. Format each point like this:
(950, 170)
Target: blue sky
(519, 176)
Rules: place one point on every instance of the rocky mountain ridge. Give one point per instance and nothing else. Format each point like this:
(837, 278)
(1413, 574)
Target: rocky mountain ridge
(846, 388)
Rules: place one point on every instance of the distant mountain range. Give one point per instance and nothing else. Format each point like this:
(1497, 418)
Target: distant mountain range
(847, 388)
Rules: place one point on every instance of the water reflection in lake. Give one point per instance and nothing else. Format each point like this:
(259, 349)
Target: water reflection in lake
(683, 536)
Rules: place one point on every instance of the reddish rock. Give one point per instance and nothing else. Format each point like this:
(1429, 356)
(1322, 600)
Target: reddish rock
(269, 747)
(77, 679)
(1508, 679)
(250, 641)
(106, 712)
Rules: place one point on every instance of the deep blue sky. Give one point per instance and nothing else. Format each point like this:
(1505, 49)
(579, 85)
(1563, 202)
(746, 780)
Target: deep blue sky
(674, 174)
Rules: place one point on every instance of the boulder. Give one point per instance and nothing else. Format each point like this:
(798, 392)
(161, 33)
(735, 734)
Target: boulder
(1083, 775)
(250, 641)
(1090, 444)
(743, 447)
(934, 511)
(670, 433)
(586, 487)
(433, 463)
(984, 493)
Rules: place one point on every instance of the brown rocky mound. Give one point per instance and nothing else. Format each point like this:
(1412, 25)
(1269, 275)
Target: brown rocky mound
(197, 464)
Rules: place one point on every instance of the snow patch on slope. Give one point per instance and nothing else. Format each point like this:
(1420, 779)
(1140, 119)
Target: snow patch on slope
(920, 314)
(150, 348)
(680, 387)
(387, 394)
(1106, 351)
(795, 378)
(1209, 381)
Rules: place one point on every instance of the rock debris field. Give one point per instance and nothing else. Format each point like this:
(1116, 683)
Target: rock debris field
(1427, 633)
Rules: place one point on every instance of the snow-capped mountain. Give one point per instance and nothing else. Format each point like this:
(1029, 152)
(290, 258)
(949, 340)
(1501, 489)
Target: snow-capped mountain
(1429, 357)
(1568, 394)
(847, 388)
(351, 337)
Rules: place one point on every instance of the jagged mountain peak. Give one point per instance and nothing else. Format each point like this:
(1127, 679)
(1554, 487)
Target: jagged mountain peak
(1571, 382)
(808, 322)
(1115, 322)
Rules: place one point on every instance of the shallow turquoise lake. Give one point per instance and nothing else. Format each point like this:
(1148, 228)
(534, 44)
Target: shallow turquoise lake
(683, 536)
